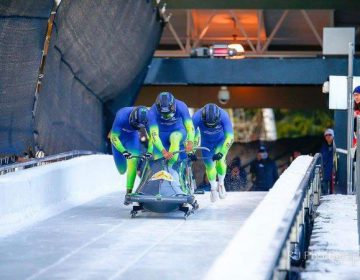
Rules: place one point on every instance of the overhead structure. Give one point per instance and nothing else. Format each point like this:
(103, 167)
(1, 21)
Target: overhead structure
(262, 4)
(262, 30)
(96, 62)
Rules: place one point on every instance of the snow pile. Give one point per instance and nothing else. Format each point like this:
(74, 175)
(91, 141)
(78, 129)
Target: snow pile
(252, 252)
(34, 194)
(334, 251)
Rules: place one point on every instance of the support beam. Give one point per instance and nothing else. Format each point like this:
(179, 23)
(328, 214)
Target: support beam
(275, 30)
(307, 97)
(331, 18)
(249, 54)
(357, 32)
(177, 39)
(262, 4)
(223, 38)
(260, 15)
(188, 31)
(242, 30)
(205, 29)
(248, 71)
(312, 27)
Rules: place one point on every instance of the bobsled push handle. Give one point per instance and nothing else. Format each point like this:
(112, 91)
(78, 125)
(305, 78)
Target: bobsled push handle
(174, 153)
(201, 148)
(183, 151)
(133, 156)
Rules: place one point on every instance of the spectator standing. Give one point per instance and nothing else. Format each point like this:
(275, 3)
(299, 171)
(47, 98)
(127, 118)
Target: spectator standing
(356, 94)
(263, 171)
(294, 155)
(236, 177)
(327, 151)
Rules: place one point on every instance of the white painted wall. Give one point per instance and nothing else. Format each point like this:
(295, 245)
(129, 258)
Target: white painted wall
(33, 194)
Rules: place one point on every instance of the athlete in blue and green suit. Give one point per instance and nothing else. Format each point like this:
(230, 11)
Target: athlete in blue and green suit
(213, 126)
(170, 127)
(125, 140)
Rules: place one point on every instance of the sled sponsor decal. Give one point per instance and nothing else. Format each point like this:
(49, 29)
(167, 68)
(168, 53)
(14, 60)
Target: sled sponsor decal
(162, 175)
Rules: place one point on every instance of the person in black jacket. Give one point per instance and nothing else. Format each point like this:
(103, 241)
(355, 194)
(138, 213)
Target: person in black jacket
(263, 171)
(328, 150)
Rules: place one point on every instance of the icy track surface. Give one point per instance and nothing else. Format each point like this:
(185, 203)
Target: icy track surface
(334, 251)
(99, 240)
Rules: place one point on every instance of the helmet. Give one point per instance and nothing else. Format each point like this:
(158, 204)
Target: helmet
(165, 104)
(356, 90)
(210, 115)
(138, 117)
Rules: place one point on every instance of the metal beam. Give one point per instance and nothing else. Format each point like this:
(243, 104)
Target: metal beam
(357, 32)
(242, 30)
(249, 54)
(188, 31)
(248, 71)
(312, 27)
(260, 15)
(205, 29)
(224, 38)
(262, 4)
(275, 30)
(177, 39)
(331, 18)
(307, 97)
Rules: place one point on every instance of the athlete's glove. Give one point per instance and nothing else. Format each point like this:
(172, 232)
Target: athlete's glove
(126, 154)
(217, 156)
(167, 155)
(189, 146)
(192, 157)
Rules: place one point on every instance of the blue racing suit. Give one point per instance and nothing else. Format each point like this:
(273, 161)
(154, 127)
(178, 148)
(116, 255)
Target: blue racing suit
(217, 139)
(124, 137)
(170, 134)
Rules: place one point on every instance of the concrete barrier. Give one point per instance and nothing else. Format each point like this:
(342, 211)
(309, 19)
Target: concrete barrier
(34, 194)
(252, 253)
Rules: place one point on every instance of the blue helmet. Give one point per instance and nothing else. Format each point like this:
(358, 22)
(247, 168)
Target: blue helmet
(210, 115)
(138, 117)
(165, 104)
(357, 90)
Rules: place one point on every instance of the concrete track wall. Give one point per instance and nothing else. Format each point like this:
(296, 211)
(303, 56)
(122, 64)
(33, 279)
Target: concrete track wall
(36, 193)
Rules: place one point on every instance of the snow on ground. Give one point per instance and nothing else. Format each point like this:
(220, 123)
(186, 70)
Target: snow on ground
(334, 249)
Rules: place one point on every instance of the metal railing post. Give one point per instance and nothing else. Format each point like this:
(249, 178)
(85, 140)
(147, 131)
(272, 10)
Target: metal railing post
(358, 175)
(317, 186)
(350, 121)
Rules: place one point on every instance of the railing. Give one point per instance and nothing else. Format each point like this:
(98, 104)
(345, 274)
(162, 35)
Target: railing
(42, 161)
(274, 240)
(357, 175)
(294, 237)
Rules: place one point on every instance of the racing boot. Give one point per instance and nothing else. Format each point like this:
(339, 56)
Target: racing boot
(126, 202)
(222, 191)
(213, 191)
